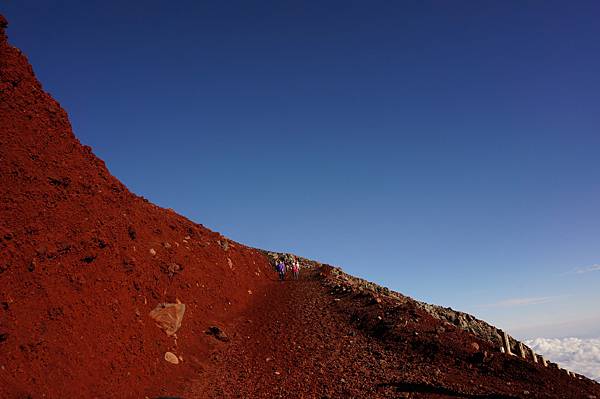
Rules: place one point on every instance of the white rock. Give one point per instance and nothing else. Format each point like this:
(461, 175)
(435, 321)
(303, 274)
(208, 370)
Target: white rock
(171, 358)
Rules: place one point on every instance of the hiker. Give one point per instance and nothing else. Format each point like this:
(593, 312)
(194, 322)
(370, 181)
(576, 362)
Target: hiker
(281, 270)
(296, 269)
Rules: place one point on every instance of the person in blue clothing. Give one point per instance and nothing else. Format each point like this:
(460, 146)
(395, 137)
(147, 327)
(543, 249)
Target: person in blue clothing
(281, 270)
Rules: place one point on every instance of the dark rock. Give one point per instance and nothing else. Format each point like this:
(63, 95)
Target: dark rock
(131, 232)
(59, 182)
(88, 259)
(479, 357)
(129, 264)
(55, 313)
(217, 333)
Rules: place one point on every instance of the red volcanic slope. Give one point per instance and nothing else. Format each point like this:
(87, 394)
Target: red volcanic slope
(77, 279)
(83, 261)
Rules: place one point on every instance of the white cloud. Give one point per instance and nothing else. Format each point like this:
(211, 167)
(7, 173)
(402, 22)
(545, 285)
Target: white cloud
(520, 302)
(592, 268)
(576, 354)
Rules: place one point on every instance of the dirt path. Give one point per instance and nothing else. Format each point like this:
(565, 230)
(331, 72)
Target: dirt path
(296, 343)
(300, 339)
(278, 350)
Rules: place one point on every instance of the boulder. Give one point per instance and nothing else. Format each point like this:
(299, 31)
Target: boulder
(168, 316)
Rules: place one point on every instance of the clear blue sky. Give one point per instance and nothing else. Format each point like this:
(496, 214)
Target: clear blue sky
(448, 150)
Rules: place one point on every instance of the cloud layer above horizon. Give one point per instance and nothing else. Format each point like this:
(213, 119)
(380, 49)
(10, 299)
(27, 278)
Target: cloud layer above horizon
(576, 354)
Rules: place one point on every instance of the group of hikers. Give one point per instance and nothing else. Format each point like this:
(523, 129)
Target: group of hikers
(282, 268)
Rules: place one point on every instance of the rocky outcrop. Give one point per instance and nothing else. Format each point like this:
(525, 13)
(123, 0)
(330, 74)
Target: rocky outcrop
(288, 259)
(342, 282)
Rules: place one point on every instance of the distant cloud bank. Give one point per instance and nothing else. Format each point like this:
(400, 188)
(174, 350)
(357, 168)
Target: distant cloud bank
(576, 354)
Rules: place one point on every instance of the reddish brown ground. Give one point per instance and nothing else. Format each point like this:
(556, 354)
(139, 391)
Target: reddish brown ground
(306, 339)
(78, 279)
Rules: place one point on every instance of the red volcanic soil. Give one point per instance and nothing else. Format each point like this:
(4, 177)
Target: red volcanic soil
(321, 337)
(77, 277)
(83, 261)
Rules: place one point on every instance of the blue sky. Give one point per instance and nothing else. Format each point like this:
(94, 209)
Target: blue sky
(448, 150)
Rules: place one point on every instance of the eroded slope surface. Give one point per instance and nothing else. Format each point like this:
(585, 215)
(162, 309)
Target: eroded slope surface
(83, 261)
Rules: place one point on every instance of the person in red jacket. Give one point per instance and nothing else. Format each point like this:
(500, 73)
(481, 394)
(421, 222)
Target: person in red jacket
(296, 269)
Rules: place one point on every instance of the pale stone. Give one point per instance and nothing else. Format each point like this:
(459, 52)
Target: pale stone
(171, 358)
(168, 316)
(522, 350)
(535, 359)
(506, 340)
